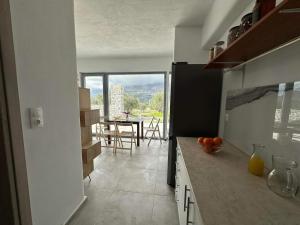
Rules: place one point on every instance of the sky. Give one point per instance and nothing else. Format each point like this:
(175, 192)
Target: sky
(95, 82)
(96, 85)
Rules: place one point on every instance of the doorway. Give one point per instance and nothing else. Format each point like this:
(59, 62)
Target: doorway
(143, 95)
(8, 206)
(14, 194)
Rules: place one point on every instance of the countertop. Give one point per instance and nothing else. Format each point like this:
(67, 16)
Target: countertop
(227, 194)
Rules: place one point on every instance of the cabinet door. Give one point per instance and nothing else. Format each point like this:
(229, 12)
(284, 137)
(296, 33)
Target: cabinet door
(193, 213)
(185, 191)
(179, 188)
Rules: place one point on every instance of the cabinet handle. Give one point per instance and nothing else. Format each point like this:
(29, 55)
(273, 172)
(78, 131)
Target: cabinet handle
(188, 212)
(185, 193)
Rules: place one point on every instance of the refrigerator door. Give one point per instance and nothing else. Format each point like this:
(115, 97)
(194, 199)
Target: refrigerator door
(194, 106)
(172, 157)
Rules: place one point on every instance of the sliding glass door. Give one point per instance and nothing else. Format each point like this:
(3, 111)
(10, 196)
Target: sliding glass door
(141, 95)
(95, 84)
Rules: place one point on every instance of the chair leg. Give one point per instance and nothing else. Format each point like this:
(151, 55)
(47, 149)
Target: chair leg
(153, 135)
(131, 143)
(159, 136)
(106, 143)
(115, 145)
(120, 142)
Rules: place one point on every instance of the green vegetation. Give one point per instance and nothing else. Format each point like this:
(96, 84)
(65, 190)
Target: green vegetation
(131, 102)
(157, 101)
(153, 108)
(137, 108)
(97, 100)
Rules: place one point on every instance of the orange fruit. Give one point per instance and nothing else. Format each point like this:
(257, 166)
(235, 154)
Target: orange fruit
(217, 141)
(208, 141)
(200, 140)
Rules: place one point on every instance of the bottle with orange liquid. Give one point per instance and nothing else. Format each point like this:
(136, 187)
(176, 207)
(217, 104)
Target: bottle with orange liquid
(256, 163)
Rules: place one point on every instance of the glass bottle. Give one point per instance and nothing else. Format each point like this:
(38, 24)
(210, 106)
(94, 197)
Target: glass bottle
(256, 163)
(282, 179)
(219, 47)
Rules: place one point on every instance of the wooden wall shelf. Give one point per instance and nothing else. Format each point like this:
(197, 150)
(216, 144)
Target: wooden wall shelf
(279, 27)
(90, 148)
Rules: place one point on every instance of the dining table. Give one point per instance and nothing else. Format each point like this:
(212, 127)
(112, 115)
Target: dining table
(139, 122)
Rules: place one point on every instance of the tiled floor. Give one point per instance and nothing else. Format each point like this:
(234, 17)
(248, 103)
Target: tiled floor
(129, 190)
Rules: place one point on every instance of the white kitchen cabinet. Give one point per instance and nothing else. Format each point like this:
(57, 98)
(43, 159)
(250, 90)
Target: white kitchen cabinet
(188, 210)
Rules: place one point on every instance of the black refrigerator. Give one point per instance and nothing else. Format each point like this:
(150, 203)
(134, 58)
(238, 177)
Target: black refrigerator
(194, 106)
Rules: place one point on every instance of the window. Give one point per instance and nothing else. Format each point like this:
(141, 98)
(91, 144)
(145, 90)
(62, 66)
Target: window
(142, 95)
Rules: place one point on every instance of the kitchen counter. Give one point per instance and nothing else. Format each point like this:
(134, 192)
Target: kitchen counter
(227, 194)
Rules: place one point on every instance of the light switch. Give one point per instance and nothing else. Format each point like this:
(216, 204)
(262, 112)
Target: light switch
(36, 117)
(226, 117)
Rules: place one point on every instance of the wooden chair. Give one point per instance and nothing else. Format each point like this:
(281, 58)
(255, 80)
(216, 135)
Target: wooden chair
(150, 124)
(109, 133)
(126, 134)
(154, 128)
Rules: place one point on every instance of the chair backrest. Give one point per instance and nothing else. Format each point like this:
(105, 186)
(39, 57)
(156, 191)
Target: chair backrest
(151, 122)
(104, 126)
(155, 123)
(127, 126)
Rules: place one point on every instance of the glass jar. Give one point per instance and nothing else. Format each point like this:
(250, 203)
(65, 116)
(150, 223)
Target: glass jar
(234, 33)
(282, 179)
(256, 163)
(219, 47)
(246, 23)
(211, 54)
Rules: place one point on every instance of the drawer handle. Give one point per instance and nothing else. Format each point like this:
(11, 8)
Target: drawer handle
(188, 212)
(185, 195)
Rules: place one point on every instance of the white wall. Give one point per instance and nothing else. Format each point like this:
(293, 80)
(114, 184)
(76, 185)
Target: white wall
(46, 67)
(129, 64)
(218, 20)
(187, 47)
(280, 66)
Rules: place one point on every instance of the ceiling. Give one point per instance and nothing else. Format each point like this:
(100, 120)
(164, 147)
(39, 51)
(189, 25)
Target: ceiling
(122, 28)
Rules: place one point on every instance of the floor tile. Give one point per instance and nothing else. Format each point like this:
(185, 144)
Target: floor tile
(128, 208)
(164, 211)
(129, 190)
(91, 210)
(162, 164)
(137, 180)
(142, 162)
(161, 186)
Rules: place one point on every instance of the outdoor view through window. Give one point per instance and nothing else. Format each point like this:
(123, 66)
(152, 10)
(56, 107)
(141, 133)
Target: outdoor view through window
(142, 95)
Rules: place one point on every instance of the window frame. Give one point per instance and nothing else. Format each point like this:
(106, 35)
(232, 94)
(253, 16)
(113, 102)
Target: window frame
(105, 77)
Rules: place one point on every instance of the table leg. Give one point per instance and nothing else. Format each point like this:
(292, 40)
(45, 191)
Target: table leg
(108, 137)
(142, 129)
(138, 134)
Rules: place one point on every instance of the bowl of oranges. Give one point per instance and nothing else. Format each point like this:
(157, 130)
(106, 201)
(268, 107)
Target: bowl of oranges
(209, 144)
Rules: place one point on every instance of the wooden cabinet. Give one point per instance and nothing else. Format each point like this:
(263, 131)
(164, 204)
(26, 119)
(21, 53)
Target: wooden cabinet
(84, 99)
(188, 210)
(89, 117)
(88, 168)
(90, 148)
(90, 151)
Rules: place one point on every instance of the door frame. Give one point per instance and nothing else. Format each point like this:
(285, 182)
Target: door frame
(11, 125)
(105, 77)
